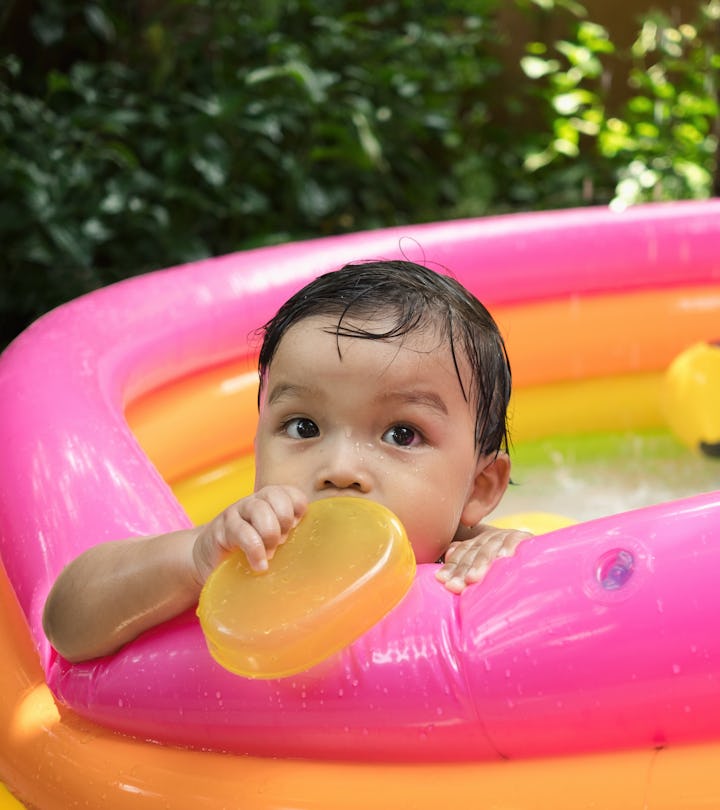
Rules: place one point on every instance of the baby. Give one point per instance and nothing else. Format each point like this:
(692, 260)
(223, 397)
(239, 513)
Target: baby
(383, 380)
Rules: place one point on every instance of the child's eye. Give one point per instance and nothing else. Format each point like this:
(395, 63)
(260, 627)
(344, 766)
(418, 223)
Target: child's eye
(401, 435)
(301, 428)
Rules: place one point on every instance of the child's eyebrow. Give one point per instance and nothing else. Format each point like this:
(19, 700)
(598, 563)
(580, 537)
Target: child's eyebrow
(426, 399)
(289, 390)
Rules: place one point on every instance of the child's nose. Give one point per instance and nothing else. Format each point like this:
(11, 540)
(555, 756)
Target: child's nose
(344, 467)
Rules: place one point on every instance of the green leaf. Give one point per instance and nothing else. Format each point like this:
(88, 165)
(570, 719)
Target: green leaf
(48, 28)
(570, 103)
(535, 68)
(99, 22)
(312, 82)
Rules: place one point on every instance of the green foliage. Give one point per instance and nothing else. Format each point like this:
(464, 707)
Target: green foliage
(153, 134)
(661, 144)
(666, 142)
(140, 135)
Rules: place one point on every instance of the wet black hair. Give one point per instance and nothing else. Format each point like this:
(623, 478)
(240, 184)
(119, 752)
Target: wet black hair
(415, 297)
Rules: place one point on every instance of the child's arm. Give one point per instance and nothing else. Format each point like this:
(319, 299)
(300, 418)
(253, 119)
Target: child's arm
(115, 591)
(472, 553)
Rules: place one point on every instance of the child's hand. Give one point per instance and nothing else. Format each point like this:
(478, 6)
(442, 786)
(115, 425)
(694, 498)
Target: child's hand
(468, 560)
(257, 525)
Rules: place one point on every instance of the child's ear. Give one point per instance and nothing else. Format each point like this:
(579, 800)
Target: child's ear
(491, 480)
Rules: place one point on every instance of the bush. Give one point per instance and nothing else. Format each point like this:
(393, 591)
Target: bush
(141, 135)
(154, 137)
(661, 144)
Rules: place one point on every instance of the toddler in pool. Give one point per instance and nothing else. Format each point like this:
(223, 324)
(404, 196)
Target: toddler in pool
(383, 380)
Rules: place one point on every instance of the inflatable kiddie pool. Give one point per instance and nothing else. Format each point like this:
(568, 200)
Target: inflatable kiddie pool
(585, 670)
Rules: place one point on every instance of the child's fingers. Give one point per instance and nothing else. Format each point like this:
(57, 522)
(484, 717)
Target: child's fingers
(464, 568)
(256, 525)
(287, 503)
(254, 529)
(458, 560)
(511, 540)
(227, 532)
(468, 562)
(273, 512)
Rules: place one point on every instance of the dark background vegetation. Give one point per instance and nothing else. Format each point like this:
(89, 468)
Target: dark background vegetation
(140, 135)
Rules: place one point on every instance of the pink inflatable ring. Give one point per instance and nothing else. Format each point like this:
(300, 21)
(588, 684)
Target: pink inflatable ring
(596, 638)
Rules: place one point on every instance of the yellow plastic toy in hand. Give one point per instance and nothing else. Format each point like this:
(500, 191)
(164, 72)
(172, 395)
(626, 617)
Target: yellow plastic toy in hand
(346, 564)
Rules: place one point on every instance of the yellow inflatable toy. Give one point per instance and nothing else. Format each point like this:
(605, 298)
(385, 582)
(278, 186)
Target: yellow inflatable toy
(691, 397)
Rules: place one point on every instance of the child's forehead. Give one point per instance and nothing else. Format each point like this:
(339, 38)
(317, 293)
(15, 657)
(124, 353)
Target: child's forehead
(362, 347)
(382, 324)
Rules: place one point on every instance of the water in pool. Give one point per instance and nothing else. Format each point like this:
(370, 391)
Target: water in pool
(586, 477)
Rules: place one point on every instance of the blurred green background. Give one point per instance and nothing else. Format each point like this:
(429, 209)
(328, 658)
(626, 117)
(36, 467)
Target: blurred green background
(140, 135)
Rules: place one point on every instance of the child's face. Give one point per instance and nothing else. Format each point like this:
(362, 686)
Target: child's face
(387, 422)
